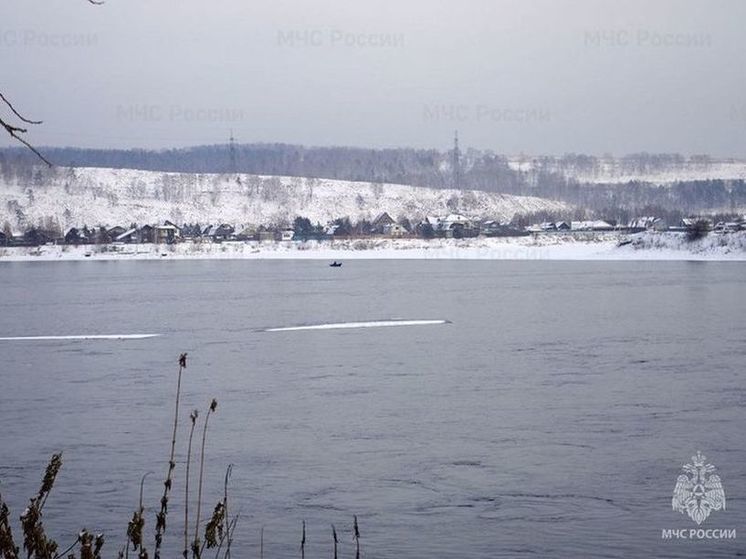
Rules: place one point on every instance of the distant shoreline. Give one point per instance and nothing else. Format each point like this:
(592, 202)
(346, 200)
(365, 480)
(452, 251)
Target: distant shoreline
(645, 246)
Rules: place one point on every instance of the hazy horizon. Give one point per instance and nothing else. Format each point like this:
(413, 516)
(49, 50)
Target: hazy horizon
(539, 77)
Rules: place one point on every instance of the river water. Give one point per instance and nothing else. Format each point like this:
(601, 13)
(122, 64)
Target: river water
(549, 416)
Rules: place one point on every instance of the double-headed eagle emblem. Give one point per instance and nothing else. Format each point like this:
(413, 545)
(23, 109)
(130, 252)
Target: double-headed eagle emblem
(698, 491)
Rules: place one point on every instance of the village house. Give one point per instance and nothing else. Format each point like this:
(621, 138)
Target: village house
(166, 234)
(129, 236)
(496, 229)
(218, 233)
(490, 228)
(265, 235)
(147, 234)
(689, 223)
(77, 236)
(16, 238)
(115, 231)
(189, 231)
(381, 222)
(425, 228)
(727, 227)
(36, 237)
(455, 226)
(647, 223)
(247, 233)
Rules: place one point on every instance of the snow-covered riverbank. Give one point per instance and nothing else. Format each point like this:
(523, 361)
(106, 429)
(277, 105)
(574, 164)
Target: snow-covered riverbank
(648, 246)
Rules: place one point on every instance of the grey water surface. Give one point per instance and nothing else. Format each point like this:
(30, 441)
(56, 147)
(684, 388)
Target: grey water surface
(550, 417)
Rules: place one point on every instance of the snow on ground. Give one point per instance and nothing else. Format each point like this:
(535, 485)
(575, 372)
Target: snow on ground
(614, 171)
(729, 244)
(95, 196)
(647, 246)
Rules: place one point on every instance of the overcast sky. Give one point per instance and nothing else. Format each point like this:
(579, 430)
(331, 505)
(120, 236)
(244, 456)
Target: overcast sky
(531, 76)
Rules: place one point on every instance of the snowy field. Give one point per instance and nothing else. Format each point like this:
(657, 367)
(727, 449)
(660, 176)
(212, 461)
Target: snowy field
(646, 246)
(613, 171)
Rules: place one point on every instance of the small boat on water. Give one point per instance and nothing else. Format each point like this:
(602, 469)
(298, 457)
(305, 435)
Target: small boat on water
(335, 264)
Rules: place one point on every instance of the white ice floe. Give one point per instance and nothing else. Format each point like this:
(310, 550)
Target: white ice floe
(350, 325)
(80, 337)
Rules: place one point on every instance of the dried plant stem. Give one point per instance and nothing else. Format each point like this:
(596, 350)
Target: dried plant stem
(357, 539)
(226, 520)
(142, 486)
(227, 537)
(231, 531)
(196, 543)
(193, 418)
(136, 525)
(334, 536)
(8, 548)
(35, 540)
(63, 553)
(303, 542)
(160, 525)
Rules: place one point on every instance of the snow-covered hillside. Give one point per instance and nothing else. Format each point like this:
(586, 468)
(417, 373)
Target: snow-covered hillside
(621, 171)
(92, 196)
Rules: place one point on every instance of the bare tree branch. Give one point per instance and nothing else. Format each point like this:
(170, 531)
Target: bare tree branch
(14, 132)
(15, 112)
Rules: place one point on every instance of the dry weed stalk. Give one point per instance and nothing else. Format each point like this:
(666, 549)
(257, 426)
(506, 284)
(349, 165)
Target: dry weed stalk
(261, 544)
(90, 545)
(35, 540)
(303, 542)
(196, 545)
(160, 522)
(136, 525)
(217, 530)
(193, 417)
(8, 548)
(336, 541)
(228, 472)
(231, 531)
(214, 530)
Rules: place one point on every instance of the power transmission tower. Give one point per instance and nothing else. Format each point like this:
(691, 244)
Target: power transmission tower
(456, 163)
(232, 153)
